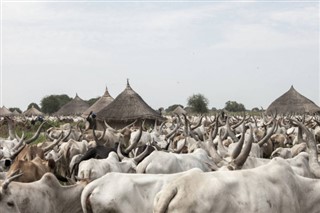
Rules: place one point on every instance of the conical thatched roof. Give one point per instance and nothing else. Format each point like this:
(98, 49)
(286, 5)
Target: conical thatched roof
(179, 110)
(74, 107)
(15, 113)
(4, 112)
(32, 111)
(128, 106)
(292, 102)
(104, 101)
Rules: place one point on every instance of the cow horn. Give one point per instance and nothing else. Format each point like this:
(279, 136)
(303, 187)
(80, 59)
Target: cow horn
(15, 153)
(36, 135)
(290, 133)
(255, 121)
(169, 135)
(10, 127)
(119, 152)
(140, 157)
(239, 145)
(184, 144)
(241, 159)
(49, 136)
(143, 127)
(268, 135)
(239, 123)
(198, 124)
(213, 134)
(186, 125)
(300, 138)
(17, 136)
(53, 144)
(161, 127)
(67, 135)
(20, 141)
(98, 140)
(155, 126)
(8, 180)
(225, 134)
(128, 126)
(230, 131)
(107, 125)
(79, 128)
(311, 143)
(222, 150)
(213, 153)
(135, 141)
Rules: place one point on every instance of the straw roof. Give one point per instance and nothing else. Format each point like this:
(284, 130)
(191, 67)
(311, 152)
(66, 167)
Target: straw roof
(15, 113)
(101, 103)
(4, 112)
(74, 107)
(179, 110)
(292, 102)
(128, 106)
(32, 111)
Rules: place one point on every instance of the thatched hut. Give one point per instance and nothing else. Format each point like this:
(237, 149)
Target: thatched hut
(15, 113)
(127, 107)
(292, 102)
(74, 107)
(179, 110)
(4, 112)
(32, 111)
(101, 103)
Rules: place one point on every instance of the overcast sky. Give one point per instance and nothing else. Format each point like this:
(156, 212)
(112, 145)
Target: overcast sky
(249, 52)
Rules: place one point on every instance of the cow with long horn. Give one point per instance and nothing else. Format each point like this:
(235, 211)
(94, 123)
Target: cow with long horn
(262, 185)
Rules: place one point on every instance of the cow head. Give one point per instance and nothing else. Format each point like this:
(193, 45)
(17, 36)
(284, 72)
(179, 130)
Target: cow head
(7, 201)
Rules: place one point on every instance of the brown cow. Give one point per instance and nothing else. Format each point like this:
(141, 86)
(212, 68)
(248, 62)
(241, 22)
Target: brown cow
(31, 170)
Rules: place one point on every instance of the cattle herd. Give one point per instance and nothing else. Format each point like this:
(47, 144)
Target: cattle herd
(219, 163)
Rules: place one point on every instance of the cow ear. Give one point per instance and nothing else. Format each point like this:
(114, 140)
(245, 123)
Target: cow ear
(51, 164)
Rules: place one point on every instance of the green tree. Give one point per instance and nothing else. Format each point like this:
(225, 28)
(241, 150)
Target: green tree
(255, 109)
(233, 106)
(213, 109)
(51, 104)
(15, 108)
(92, 101)
(198, 103)
(173, 107)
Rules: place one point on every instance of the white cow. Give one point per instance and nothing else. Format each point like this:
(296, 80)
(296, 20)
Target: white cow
(159, 162)
(270, 188)
(274, 187)
(121, 192)
(45, 196)
(289, 152)
(94, 168)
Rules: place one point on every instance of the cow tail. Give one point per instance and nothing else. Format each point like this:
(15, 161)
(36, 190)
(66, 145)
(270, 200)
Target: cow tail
(163, 200)
(85, 198)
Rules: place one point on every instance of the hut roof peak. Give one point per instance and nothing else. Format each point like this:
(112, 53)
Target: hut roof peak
(128, 84)
(106, 93)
